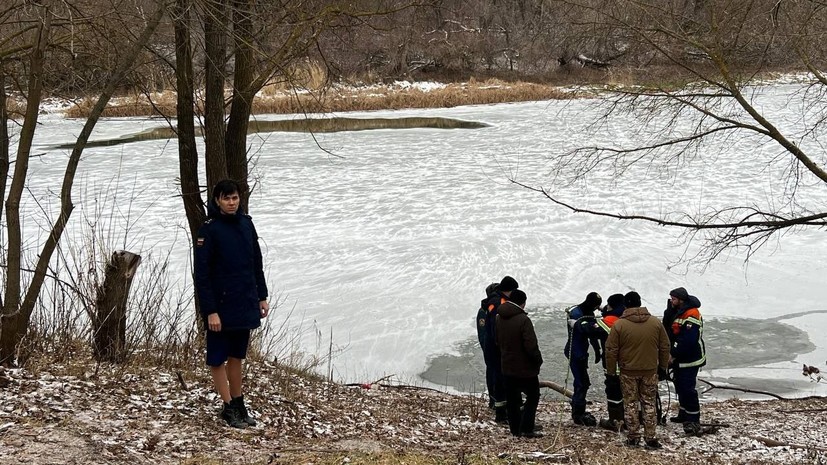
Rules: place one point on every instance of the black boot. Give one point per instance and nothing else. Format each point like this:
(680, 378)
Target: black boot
(582, 417)
(231, 415)
(501, 415)
(238, 404)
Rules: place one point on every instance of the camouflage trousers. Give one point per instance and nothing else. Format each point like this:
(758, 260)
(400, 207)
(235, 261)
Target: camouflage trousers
(640, 391)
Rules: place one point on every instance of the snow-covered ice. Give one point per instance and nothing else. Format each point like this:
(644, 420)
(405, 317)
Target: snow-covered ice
(390, 246)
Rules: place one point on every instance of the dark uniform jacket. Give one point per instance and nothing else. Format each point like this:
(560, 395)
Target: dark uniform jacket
(685, 328)
(482, 313)
(229, 275)
(520, 353)
(581, 327)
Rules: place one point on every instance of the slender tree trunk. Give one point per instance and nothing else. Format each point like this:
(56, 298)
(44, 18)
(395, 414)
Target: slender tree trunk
(242, 100)
(14, 329)
(11, 314)
(4, 154)
(215, 47)
(187, 150)
(4, 139)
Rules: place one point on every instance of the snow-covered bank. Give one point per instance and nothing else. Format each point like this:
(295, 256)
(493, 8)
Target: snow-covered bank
(70, 415)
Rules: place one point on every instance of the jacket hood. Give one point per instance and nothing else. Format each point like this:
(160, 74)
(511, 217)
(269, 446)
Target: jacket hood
(509, 309)
(214, 212)
(636, 314)
(691, 302)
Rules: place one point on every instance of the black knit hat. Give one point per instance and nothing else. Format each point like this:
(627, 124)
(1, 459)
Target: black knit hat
(632, 299)
(679, 293)
(593, 300)
(615, 300)
(518, 297)
(508, 284)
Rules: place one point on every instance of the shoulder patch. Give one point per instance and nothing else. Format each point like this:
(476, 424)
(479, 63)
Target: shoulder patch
(481, 322)
(199, 242)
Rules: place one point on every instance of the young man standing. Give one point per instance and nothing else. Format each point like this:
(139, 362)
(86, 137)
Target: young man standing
(639, 345)
(229, 279)
(521, 361)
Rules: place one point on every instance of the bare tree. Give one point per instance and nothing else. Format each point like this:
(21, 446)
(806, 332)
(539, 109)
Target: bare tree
(720, 49)
(36, 39)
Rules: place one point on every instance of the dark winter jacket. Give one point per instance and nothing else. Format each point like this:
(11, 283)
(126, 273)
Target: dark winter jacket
(482, 313)
(685, 332)
(581, 326)
(489, 348)
(520, 353)
(637, 343)
(229, 275)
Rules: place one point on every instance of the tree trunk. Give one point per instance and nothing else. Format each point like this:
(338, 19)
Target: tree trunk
(11, 328)
(4, 139)
(109, 321)
(187, 150)
(215, 47)
(243, 94)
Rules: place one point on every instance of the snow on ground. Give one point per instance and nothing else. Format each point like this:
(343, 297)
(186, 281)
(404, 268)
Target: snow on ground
(73, 414)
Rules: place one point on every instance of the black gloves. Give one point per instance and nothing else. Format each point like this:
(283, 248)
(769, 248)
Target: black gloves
(662, 374)
(596, 356)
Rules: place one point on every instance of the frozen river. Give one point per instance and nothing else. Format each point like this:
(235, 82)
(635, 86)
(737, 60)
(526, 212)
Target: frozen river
(388, 246)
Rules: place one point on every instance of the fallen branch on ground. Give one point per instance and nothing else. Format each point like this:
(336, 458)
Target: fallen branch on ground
(776, 443)
(732, 388)
(556, 387)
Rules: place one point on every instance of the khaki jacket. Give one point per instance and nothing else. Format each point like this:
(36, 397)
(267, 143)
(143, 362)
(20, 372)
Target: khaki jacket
(638, 343)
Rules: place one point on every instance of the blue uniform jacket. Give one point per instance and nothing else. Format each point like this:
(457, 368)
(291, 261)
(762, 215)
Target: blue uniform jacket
(686, 335)
(229, 275)
(581, 334)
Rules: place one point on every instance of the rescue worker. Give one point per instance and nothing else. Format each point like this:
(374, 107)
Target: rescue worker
(521, 361)
(482, 313)
(684, 325)
(491, 352)
(581, 321)
(614, 396)
(639, 345)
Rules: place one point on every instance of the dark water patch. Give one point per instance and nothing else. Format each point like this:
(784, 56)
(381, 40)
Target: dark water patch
(315, 125)
(731, 343)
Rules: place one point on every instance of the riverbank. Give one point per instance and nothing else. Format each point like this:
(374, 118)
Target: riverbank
(394, 95)
(77, 413)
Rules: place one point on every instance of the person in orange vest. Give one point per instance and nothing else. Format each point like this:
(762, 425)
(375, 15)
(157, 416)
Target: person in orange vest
(685, 328)
(614, 396)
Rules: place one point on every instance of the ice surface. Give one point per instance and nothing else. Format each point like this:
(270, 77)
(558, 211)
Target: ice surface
(390, 246)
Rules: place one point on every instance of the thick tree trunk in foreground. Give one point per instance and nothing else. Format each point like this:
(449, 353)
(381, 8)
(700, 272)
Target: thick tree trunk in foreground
(109, 321)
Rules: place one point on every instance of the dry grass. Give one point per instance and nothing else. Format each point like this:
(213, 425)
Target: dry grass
(275, 99)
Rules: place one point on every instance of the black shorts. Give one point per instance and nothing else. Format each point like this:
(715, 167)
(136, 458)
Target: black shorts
(224, 344)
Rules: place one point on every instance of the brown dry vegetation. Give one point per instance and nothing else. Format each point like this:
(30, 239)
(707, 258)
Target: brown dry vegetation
(340, 99)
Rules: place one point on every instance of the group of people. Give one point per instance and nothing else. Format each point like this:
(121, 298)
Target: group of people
(635, 349)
